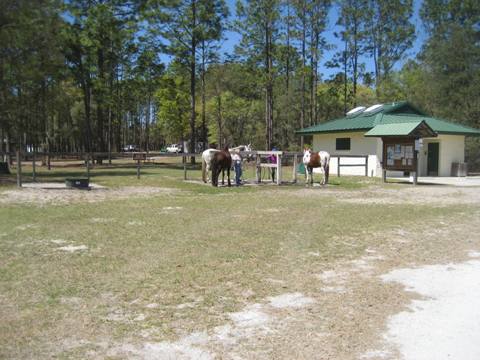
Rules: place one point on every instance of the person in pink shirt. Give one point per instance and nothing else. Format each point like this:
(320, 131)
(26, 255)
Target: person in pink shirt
(272, 159)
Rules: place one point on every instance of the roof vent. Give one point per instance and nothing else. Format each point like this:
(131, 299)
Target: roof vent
(373, 108)
(356, 110)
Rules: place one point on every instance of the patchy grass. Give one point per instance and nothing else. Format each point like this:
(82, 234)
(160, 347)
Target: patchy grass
(169, 264)
(167, 173)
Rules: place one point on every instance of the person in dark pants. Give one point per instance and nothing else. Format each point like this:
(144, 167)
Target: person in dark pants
(272, 159)
(237, 166)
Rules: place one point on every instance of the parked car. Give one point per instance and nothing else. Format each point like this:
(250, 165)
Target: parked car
(131, 148)
(174, 148)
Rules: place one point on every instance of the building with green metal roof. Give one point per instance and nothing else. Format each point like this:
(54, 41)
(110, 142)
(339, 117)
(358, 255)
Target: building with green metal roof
(360, 132)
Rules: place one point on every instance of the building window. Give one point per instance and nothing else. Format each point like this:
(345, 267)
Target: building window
(343, 144)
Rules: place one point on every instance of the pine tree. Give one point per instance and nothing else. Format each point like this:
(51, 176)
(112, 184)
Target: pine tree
(390, 34)
(258, 23)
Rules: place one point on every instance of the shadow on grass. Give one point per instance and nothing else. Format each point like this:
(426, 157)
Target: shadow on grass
(409, 183)
(8, 179)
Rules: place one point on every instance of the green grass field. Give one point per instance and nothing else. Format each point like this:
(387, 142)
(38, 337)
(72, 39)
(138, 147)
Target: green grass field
(78, 275)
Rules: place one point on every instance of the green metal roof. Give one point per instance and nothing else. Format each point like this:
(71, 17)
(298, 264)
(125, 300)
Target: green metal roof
(415, 128)
(393, 113)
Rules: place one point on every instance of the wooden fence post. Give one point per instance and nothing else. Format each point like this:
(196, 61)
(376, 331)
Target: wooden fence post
(279, 169)
(258, 174)
(295, 168)
(34, 160)
(87, 165)
(19, 166)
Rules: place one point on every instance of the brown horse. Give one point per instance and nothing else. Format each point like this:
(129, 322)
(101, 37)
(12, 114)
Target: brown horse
(312, 160)
(221, 161)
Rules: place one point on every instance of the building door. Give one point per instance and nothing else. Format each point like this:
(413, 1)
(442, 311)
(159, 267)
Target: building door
(432, 160)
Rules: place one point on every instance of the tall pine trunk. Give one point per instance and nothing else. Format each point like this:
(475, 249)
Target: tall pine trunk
(192, 83)
(345, 77)
(269, 85)
(219, 121)
(204, 119)
(302, 110)
(355, 63)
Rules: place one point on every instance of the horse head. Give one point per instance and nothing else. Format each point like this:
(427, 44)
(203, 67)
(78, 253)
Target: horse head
(249, 149)
(307, 154)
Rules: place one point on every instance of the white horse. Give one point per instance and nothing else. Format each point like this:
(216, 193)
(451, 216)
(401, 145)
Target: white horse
(207, 157)
(312, 160)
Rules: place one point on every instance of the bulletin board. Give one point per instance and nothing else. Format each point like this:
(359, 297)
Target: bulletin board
(399, 154)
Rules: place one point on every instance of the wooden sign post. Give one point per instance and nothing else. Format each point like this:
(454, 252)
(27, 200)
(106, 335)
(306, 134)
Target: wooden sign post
(139, 157)
(399, 140)
(399, 154)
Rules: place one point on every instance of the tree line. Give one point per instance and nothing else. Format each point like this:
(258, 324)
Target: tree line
(96, 75)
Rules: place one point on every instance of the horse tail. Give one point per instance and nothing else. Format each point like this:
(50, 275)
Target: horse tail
(327, 171)
(213, 167)
(327, 167)
(204, 170)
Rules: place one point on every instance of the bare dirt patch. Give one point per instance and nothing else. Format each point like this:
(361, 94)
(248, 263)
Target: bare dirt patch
(44, 197)
(73, 248)
(283, 295)
(255, 320)
(444, 323)
(437, 195)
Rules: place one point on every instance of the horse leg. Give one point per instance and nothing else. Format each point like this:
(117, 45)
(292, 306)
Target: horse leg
(223, 176)
(228, 176)
(310, 170)
(217, 176)
(214, 177)
(327, 172)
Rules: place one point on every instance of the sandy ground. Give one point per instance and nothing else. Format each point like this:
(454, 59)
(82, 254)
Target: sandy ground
(436, 195)
(445, 323)
(414, 295)
(57, 194)
(372, 307)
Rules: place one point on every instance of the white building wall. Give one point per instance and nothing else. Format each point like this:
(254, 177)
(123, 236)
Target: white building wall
(359, 145)
(451, 149)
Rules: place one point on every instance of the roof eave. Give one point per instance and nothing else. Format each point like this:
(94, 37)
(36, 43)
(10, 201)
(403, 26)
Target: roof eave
(458, 133)
(314, 132)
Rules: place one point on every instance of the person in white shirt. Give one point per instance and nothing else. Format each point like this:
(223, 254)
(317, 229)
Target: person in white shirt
(237, 165)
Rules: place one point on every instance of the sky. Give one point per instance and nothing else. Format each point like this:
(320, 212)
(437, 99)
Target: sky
(233, 38)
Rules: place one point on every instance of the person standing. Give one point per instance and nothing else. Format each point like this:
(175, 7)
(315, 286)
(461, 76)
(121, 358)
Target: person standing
(272, 159)
(237, 165)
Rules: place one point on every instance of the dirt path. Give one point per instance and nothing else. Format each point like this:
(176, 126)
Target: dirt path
(353, 308)
(53, 195)
(345, 311)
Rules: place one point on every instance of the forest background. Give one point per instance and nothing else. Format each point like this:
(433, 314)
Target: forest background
(97, 75)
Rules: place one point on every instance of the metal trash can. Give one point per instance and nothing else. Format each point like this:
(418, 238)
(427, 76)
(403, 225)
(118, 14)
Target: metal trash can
(301, 168)
(459, 169)
(77, 183)
(4, 168)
